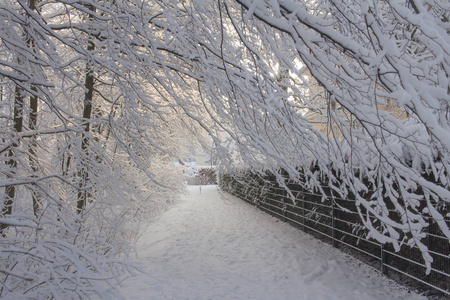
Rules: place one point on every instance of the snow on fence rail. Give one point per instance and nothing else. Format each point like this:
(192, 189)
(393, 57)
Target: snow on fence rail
(336, 220)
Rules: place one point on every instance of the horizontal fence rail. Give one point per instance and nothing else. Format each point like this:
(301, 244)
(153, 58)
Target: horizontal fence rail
(336, 220)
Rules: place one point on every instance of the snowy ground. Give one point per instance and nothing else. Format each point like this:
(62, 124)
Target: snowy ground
(214, 246)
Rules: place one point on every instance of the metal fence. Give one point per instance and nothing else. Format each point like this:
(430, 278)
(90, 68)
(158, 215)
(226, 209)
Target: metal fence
(336, 220)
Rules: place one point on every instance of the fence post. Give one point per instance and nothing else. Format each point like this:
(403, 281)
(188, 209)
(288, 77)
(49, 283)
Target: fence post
(333, 216)
(303, 212)
(383, 268)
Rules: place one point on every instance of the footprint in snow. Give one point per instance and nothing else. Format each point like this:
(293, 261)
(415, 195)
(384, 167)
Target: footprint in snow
(316, 274)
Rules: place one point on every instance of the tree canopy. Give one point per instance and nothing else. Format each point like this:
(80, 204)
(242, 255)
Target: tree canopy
(98, 99)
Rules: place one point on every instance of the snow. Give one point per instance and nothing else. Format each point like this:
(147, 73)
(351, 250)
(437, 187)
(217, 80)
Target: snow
(215, 246)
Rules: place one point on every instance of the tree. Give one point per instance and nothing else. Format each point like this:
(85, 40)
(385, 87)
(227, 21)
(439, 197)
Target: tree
(368, 55)
(382, 70)
(119, 84)
(106, 142)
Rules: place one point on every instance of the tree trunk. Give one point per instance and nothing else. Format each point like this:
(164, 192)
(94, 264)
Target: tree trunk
(87, 114)
(32, 156)
(10, 190)
(32, 124)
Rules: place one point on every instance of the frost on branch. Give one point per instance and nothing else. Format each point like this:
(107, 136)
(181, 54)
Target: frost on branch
(382, 103)
(88, 141)
(99, 95)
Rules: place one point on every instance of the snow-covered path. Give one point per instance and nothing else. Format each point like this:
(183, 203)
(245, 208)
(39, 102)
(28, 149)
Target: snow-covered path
(213, 246)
